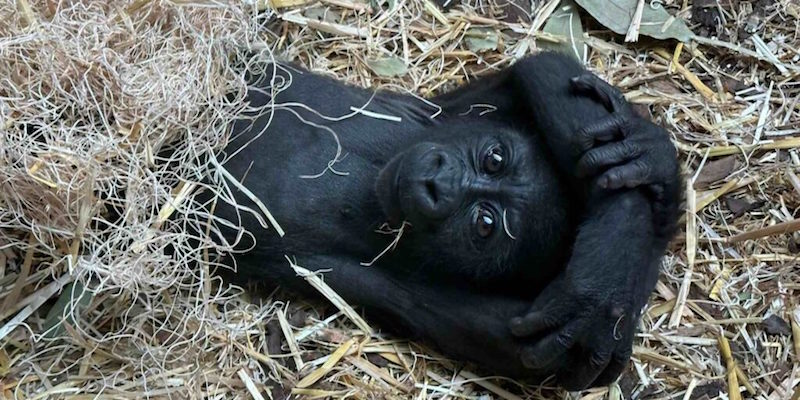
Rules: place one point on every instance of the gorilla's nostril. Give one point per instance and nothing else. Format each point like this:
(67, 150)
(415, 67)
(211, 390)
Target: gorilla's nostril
(439, 160)
(431, 188)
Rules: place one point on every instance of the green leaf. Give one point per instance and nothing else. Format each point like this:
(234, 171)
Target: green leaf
(388, 66)
(565, 22)
(481, 39)
(657, 23)
(56, 314)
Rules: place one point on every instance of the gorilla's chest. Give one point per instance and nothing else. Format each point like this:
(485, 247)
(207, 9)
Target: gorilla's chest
(315, 182)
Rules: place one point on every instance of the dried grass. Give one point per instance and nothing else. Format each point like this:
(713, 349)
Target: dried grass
(109, 112)
(108, 115)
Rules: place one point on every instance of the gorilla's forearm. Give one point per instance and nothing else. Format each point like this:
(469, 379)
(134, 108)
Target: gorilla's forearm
(584, 321)
(459, 321)
(615, 248)
(534, 94)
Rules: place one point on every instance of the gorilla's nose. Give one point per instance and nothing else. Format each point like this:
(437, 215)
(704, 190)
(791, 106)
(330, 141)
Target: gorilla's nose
(437, 187)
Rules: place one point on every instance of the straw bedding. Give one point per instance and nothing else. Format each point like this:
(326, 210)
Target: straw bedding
(111, 114)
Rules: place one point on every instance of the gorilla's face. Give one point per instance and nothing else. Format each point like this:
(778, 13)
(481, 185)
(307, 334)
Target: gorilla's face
(466, 193)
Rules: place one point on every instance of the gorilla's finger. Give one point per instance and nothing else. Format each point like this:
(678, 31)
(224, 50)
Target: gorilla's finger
(615, 367)
(629, 175)
(537, 321)
(612, 127)
(621, 357)
(551, 348)
(582, 375)
(610, 96)
(600, 158)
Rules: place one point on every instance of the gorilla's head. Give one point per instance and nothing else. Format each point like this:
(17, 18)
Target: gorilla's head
(473, 195)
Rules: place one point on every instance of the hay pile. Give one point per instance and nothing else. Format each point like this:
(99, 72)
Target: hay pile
(109, 111)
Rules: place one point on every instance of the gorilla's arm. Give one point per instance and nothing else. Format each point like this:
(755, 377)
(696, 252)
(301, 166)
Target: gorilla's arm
(551, 95)
(462, 323)
(589, 313)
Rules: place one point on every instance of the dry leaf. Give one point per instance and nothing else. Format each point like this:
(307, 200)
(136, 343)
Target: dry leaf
(714, 171)
(775, 325)
(481, 39)
(739, 206)
(388, 66)
(656, 21)
(566, 22)
(664, 86)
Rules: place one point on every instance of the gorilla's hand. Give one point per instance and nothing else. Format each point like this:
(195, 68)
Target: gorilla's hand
(584, 337)
(582, 325)
(623, 150)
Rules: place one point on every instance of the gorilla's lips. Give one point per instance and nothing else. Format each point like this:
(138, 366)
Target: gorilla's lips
(387, 189)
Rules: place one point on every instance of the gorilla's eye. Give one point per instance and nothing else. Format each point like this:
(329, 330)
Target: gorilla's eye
(484, 222)
(494, 159)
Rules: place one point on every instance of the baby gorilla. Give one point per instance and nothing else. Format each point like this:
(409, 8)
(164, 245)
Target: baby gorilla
(532, 206)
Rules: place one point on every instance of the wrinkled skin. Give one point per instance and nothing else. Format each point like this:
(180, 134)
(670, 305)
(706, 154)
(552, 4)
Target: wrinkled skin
(535, 208)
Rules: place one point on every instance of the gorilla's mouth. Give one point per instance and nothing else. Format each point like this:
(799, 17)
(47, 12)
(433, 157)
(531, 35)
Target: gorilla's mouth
(387, 189)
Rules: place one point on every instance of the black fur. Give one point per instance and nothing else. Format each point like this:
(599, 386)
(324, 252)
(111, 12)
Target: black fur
(588, 191)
